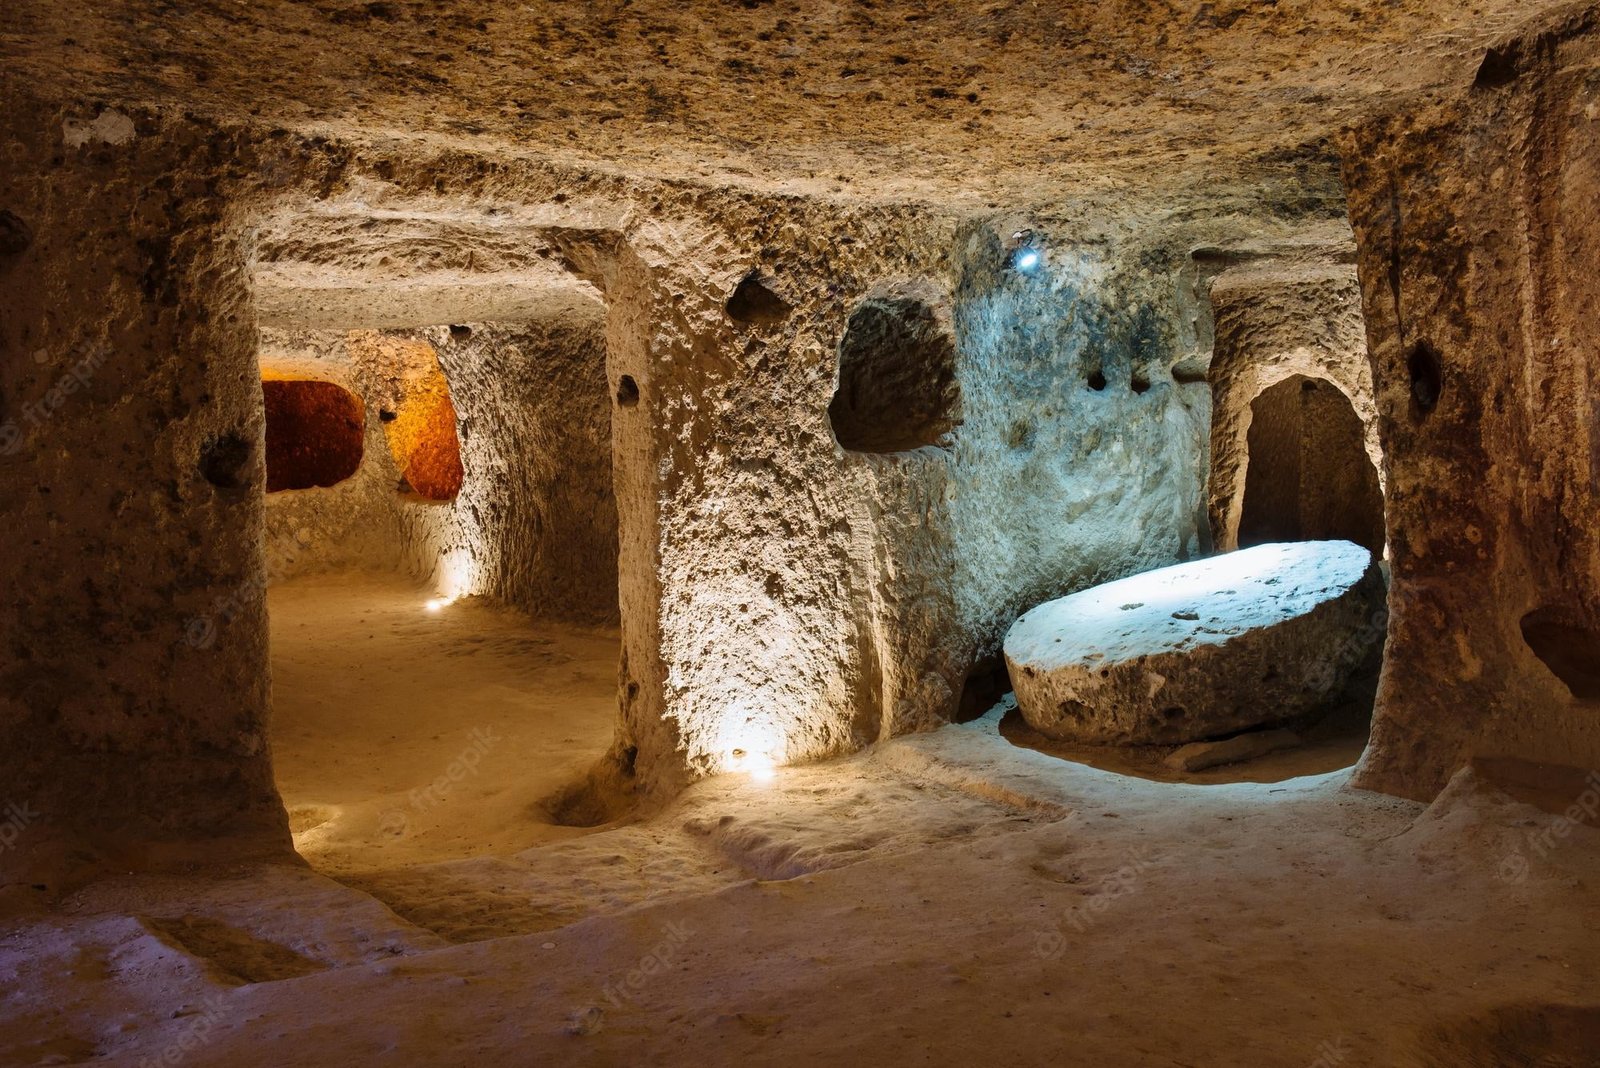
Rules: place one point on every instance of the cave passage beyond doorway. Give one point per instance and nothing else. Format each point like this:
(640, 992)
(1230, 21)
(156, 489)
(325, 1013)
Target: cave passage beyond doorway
(1308, 476)
(445, 674)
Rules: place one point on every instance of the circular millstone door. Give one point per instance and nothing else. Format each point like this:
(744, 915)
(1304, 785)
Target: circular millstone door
(1199, 650)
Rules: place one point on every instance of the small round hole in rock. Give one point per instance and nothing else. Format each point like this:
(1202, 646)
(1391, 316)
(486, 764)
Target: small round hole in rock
(225, 461)
(459, 332)
(1096, 381)
(1140, 384)
(627, 392)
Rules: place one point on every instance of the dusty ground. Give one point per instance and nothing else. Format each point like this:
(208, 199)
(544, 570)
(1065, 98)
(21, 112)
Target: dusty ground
(1021, 910)
(402, 735)
(949, 898)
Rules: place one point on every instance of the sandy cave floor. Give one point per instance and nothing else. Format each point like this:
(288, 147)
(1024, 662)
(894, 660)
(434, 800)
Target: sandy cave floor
(949, 898)
(402, 735)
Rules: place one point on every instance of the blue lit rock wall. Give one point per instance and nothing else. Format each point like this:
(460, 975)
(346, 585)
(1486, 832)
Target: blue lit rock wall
(1078, 459)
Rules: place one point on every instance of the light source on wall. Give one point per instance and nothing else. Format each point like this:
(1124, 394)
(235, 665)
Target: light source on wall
(437, 603)
(758, 765)
(1025, 254)
(455, 577)
(752, 748)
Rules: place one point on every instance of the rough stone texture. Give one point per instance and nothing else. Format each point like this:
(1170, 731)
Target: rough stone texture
(133, 689)
(535, 524)
(812, 598)
(778, 594)
(1198, 650)
(535, 521)
(392, 166)
(1477, 223)
(968, 102)
(1283, 313)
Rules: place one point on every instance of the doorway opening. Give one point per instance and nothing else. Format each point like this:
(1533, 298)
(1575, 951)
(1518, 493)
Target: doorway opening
(1308, 476)
(445, 614)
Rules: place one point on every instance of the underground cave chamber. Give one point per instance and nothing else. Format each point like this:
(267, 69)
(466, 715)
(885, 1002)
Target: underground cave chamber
(767, 534)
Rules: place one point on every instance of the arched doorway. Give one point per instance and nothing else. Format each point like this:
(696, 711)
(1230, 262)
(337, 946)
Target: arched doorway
(1308, 476)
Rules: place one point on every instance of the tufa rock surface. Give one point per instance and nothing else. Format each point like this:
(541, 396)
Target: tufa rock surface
(1198, 650)
(1478, 232)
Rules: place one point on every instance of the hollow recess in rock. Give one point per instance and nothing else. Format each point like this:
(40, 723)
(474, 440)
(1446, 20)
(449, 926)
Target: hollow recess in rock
(15, 235)
(422, 437)
(1308, 476)
(1499, 67)
(224, 460)
(314, 433)
(627, 392)
(1572, 653)
(897, 377)
(754, 303)
(1427, 376)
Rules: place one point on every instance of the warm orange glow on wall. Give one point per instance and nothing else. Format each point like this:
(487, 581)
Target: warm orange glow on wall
(314, 433)
(422, 437)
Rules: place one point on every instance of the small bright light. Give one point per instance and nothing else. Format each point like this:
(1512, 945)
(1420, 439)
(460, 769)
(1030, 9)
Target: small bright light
(758, 766)
(435, 604)
(1028, 260)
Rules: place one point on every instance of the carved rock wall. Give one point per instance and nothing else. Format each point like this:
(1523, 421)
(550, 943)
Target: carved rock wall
(1478, 230)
